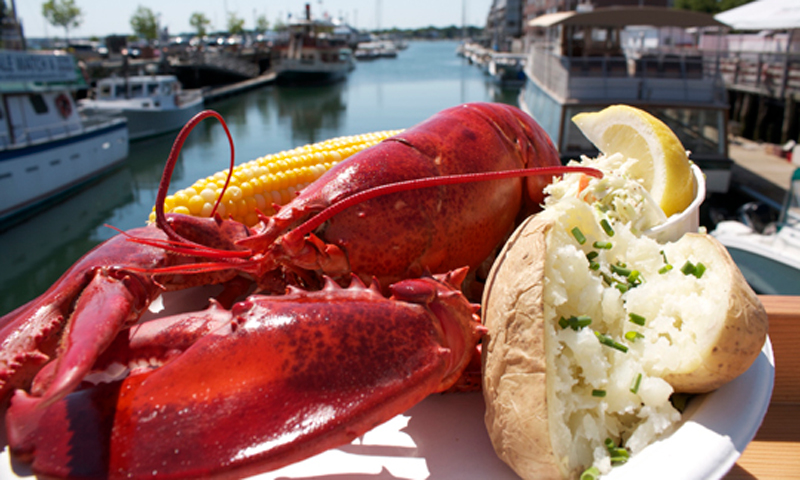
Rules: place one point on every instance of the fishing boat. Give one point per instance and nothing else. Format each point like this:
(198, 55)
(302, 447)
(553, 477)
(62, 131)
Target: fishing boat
(313, 53)
(507, 70)
(153, 104)
(583, 61)
(770, 262)
(48, 148)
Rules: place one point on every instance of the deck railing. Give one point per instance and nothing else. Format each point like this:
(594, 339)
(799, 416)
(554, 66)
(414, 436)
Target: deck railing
(774, 74)
(665, 77)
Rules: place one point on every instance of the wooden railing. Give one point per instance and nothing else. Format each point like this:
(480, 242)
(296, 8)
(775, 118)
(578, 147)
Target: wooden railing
(775, 451)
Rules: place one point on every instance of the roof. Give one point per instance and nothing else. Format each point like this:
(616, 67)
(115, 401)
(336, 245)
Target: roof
(628, 16)
(763, 15)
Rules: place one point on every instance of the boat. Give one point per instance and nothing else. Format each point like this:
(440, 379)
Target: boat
(769, 260)
(376, 49)
(313, 53)
(584, 61)
(47, 147)
(153, 104)
(507, 70)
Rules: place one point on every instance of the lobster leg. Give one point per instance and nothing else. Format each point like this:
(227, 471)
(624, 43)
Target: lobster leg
(282, 379)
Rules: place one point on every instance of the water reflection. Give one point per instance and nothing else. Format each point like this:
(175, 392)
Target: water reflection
(380, 95)
(35, 253)
(311, 110)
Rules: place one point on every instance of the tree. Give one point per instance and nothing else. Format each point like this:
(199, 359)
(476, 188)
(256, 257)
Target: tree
(262, 24)
(144, 23)
(235, 24)
(62, 13)
(709, 6)
(200, 23)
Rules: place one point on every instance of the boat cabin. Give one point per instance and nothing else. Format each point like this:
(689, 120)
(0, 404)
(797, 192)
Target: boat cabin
(155, 91)
(646, 57)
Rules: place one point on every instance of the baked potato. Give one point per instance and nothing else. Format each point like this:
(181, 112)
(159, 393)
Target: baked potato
(592, 327)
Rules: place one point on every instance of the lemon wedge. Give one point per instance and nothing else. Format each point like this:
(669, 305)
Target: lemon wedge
(662, 165)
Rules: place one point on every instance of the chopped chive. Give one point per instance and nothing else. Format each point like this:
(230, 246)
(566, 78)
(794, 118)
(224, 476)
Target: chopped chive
(592, 255)
(635, 384)
(609, 342)
(635, 277)
(699, 269)
(633, 335)
(688, 268)
(598, 393)
(679, 401)
(609, 444)
(594, 265)
(666, 268)
(576, 232)
(620, 270)
(619, 455)
(591, 473)
(621, 287)
(575, 323)
(664, 256)
(607, 227)
(608, 279)
(602, 245)
(637, 319)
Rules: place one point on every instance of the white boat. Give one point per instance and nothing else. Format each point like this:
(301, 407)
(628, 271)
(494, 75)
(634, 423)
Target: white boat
(313, 53)
(507, 70)
(769, 261)
(153, 104)
(47, 147)
(641, 56)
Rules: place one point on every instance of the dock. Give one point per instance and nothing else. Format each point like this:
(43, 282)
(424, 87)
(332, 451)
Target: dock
(218, 93)
(760, 171)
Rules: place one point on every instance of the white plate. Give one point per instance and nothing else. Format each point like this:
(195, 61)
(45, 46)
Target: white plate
(443, 437)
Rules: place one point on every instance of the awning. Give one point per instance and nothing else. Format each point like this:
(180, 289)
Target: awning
(628, 16)
(763, 15)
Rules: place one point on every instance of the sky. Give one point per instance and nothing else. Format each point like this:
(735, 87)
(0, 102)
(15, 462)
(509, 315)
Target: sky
(105, 17)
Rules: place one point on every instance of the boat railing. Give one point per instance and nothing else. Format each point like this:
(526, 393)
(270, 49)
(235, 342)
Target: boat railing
(90, 121)
(771, 73)
(685, 77)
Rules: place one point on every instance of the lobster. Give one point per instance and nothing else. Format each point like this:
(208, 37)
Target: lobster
(395, 233)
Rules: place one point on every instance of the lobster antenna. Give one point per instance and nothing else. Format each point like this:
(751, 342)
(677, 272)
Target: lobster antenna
(427, 182)
(169, 168)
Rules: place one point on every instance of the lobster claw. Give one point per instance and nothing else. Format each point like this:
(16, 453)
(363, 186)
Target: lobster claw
(278, 379)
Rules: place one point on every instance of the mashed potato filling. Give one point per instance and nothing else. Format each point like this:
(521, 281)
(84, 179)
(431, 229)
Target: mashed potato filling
(604, 378)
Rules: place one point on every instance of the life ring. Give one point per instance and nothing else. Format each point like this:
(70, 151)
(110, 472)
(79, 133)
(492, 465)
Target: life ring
(63, 105)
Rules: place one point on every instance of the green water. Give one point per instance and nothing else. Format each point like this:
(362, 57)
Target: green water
(378, 95)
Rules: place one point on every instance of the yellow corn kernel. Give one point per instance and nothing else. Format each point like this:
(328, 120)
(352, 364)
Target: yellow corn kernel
(272, 179)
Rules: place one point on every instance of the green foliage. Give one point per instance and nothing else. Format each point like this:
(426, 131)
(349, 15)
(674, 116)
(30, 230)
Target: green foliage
(144, 23)
(709, 6)
(62, 13)
(262, 24)
(200, 23)
(235, 24)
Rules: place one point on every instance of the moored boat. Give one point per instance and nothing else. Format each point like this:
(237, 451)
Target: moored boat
(48, 147)
(770, 262)
(313, 53)
(153, 104)
(588, 60)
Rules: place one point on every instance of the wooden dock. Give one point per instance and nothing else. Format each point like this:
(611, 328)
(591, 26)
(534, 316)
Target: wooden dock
(760, 172)
(219, 93)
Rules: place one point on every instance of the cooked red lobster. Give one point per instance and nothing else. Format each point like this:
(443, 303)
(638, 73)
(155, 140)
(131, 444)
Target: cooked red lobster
(215, 361)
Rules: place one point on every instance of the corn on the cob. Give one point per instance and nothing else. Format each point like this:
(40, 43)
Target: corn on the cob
(272, 179)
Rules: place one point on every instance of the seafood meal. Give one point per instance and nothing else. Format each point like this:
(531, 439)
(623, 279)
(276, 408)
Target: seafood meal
(341, 284)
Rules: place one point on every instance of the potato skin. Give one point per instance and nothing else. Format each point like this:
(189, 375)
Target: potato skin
(514, 355)
(739, 338)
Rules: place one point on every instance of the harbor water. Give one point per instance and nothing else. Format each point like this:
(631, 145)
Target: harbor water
(378, 95)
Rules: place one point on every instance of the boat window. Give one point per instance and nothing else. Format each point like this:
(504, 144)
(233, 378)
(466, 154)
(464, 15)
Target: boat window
(152, 88)
(137, 89)
(119, 91)
(105, 91)
(38, 103)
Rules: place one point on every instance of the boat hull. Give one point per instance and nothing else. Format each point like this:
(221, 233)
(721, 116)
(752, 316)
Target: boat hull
(150, 123)
(39, 172)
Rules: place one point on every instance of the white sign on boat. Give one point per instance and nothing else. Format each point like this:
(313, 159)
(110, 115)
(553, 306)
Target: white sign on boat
(22, 66)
